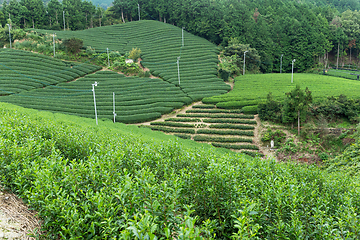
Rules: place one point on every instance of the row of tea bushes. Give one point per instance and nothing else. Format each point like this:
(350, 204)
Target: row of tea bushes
(114, 181)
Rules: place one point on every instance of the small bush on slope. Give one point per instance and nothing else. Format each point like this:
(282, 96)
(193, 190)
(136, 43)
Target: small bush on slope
(90, 181)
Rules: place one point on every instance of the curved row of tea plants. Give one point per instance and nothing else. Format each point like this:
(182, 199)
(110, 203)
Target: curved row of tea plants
(23, 71)
(161, 45)
(114, 181)
(252, 89)
(211, 125)
(136, 99)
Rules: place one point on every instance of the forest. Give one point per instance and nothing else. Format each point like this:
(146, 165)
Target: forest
(313, 33)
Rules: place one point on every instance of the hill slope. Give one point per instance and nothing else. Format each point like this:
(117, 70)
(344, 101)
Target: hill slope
(161, 45)
(117, 181)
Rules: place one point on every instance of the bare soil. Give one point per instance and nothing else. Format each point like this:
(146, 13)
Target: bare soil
(16, 220)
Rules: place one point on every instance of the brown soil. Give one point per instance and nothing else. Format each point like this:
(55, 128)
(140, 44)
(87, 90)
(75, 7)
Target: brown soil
(16, 220)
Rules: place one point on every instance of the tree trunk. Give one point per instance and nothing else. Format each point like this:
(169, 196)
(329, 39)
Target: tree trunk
(57, 20)
(299, 123)
(33, 23)
(122, 15)
(24, 23)
(160, 17)
(50, 21)
(337, 59)
(164, 19)
(100, 22)
(91, 22)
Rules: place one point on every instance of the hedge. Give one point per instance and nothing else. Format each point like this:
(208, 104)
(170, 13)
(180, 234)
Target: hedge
(221, 139)
(225, 132)
(232, 146)
(212, 111)
(232, 126)
(169, 130)
(250, 109)
(204, 106)
(238, 104)
(183, 119)
(216, 116)
(173, 124)
(226, 120)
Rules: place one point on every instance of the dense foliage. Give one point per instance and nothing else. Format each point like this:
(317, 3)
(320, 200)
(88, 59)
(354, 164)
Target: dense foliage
(253, 89)
(107, 182)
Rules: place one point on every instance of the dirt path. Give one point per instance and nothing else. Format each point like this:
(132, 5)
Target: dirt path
(172, 114)
(16, 220)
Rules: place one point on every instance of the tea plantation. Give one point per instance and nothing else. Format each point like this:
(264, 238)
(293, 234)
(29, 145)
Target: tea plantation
(253, 89)
(114, 181)
(23, 71)
(222, 128)
(137, 99)
(161, 45)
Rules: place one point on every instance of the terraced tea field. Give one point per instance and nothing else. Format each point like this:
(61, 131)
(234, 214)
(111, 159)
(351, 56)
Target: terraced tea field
(205, 123)
(161, 45)
(136, 99)
(252, 89)
(23, 71)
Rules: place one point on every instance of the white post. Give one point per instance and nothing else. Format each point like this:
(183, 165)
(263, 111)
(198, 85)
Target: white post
(93, 90)
(182, 36)
(107, 50)
(54, 43)
(178, 63)
(139, 11)
(292, 71)
(64, 19)
(244, 63)
(9, 33)
(114, 106)
(281, 63)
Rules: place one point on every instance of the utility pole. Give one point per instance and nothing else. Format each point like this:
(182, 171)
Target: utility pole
(64, 19)
(139, 11)
(292, 70)
(178, 63)
(54, 43)
(281, 63)
(9, 33)
(244, 63)
(114, 106)
(93, 90)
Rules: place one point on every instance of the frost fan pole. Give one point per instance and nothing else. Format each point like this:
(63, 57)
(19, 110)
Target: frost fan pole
(292, 70)
(9, 33)
(93, 90)
(178, 63)
(139, 11)
(182, 36)
(107, 50)
(114, 106)
(244, 63)
(54, 43)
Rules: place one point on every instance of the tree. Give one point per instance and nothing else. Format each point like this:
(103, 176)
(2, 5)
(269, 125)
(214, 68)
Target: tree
(296, 105)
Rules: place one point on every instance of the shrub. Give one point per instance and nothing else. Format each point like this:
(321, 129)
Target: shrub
(232, 126)
(135, 54)
(250, 109)
(73, 45)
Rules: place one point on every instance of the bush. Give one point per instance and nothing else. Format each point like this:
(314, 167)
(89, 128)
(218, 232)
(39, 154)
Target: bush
(250, 109)
(221, 139)
(73, 45)
(135, 54)
(233, 146)
(232, 126)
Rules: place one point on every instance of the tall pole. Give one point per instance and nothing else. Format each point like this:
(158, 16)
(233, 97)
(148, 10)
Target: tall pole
(114, 106)
(139, 11)
(281, 63)
(107, 50)
(178, 63)
(9, 33)
(54, 43)
(93, 90)
(182, 36)
(244, 63)
(64, 19)
(292, 71)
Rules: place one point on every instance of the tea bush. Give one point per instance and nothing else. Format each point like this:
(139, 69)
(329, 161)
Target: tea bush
(115, 181)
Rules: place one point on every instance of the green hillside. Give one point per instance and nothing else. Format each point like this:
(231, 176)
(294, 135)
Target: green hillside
(23, 71)
(117, 181)
(161, 45)
(253, 89)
